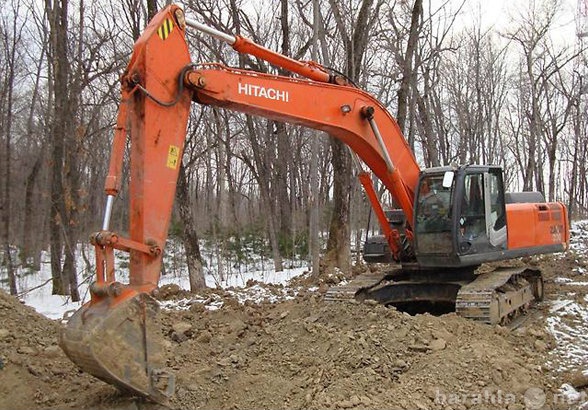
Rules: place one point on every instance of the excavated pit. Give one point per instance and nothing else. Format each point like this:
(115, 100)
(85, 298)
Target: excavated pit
(422, 307)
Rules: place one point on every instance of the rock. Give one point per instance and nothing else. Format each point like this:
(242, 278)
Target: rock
(4, 334)
(29, 351)
(355, 400)
(193, 387)
(34, 370)
(438, 344)
(197, 308)
(168, 291)
(166, 344)
(536, 333)
(224, 362)
(179, 337)
(182, 327)
(345, 404)
(419, 347)
(52, 351)
(238, 326)
(204, 337)
(579, 379)
(540, 345)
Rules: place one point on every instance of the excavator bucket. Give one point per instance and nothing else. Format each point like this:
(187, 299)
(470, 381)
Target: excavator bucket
(120, 345)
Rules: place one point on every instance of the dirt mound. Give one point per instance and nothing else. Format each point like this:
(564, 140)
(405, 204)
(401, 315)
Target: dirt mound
(308, 353)
(34, 372)
(301, 353)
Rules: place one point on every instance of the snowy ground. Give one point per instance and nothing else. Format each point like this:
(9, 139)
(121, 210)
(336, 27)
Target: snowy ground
(568, 315)
(568, 323)
(35, 288)
(568, 319)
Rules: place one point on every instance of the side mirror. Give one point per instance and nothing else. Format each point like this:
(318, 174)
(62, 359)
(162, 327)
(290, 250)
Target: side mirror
(448, 179)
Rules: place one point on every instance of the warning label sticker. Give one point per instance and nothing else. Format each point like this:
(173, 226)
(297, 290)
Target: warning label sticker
(165, 29)
(173, 157)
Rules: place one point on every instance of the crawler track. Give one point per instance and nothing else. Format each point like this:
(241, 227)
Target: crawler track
(347, 292)
(499, 296)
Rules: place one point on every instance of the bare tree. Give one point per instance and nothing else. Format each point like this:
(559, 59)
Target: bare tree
(406, 62)
(355, 36)
(532, 38)
(190, 235)
(11, 35)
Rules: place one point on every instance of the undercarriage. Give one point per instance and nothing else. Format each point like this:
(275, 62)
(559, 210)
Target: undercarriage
(494, 297)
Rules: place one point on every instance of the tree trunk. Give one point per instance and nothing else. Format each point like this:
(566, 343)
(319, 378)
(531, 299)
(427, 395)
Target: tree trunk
(284, 144)
(190, 237)
(339, 242)
(151, 9)
(70, 274)
(29, 250)
(314, 219)
(407, 67)
(338, 245)
(284, 148)
(5, 210)
(58, 58)
(262, 176)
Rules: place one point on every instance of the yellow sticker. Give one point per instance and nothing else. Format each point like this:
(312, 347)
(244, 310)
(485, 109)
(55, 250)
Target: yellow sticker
(165, 29)
(173, 157)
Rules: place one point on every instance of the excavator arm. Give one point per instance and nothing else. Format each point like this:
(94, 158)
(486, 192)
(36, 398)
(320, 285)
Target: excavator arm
(111, 336)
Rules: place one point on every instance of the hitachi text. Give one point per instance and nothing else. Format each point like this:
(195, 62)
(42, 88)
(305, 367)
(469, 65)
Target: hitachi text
(263, 92)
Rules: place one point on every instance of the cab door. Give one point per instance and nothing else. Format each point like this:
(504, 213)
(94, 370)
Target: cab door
(482, 215)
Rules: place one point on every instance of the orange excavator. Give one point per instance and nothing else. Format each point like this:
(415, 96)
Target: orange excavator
(451, 219)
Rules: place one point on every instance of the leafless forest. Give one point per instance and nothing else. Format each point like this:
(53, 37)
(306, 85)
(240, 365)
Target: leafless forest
(514, 97)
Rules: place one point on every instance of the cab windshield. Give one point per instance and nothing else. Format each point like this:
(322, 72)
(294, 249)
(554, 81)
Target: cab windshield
(433, 215)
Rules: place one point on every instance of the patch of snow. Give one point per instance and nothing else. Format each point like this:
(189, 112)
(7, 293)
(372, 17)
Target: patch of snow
(258, 294)
(570, 396)
(212, 303)
(568, 323)
(35, 288)
(569, 282)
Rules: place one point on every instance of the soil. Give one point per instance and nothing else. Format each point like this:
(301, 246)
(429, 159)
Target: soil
(306, 353)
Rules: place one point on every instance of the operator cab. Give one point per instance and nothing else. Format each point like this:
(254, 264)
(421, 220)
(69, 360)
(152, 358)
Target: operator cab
(460, 216)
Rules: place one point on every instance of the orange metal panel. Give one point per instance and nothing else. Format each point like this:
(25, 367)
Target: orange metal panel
(157, 138)
(541, 224)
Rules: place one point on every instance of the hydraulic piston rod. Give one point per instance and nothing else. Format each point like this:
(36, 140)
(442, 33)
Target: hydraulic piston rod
(308, 69)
